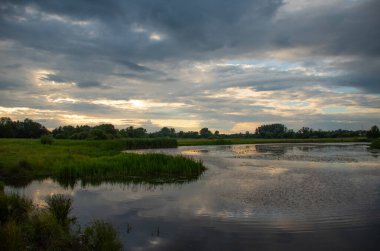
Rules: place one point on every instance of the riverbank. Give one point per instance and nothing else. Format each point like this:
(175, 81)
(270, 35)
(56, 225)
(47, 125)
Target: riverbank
(375, 144)
(69, 161)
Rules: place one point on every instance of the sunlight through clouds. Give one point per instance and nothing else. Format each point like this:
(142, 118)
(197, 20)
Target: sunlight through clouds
(295, 62)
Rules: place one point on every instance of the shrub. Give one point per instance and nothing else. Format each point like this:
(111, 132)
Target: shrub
(101, 236)
(47, 140)
(11, 237)
(14, 208)
(60, 206)
(45, 233)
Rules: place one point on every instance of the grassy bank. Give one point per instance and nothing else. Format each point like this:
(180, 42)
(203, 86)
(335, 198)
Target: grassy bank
(22, 227)
(375, 144)
(196, 142)
(22, 160)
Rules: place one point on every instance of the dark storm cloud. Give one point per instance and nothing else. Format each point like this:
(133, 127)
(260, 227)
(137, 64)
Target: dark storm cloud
(351, 29)
(197, 26)
(133, 66)
(363, 73)
(7, 85)
(89, 84)
(12, 66)
(190, 26)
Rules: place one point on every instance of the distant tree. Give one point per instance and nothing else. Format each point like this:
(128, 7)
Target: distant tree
(108, 129)
(164, 132)
(271, 131)
(64, 132)
(131, 132)
(374, 132)
(140, 132)
(7, 128)
(305, 132)
(216, 133)
(98, 134)
(189, 134)
(205, 133)
(21, 129)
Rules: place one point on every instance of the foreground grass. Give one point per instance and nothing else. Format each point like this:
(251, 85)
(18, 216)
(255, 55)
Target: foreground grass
(197, 142)
(22, 227)
(22, 160)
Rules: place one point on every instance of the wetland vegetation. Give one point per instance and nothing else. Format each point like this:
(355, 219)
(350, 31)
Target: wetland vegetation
(25, 227)
(23, 160)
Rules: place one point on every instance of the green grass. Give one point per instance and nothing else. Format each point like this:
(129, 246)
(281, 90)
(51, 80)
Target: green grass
(22, 160)
(197, 142)
(375, 144)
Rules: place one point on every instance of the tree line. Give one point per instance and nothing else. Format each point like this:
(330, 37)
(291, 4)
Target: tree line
(31, 129)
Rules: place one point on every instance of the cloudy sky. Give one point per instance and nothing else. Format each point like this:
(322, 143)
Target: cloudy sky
(221, 64)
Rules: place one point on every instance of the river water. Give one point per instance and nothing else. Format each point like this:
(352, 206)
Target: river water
(251, 197)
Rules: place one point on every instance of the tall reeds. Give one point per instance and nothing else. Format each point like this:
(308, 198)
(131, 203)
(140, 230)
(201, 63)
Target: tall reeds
(50, 229)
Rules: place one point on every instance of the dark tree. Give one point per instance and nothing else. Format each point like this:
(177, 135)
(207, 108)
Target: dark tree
(205, 133)
(21, 129)
(108, 129)
(305, 132)
(131, 132)
(271, 131)
(374, 132)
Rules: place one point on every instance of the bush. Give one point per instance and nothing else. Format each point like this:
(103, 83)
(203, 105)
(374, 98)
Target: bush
(14, 208)
(101, 236)
(45, 233)
(2, 186)
(47, 140)
(11, 237)
(22, 228)
(60, 206)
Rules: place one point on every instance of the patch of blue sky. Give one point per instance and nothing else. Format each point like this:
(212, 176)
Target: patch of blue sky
(334, 109)
(347, 89)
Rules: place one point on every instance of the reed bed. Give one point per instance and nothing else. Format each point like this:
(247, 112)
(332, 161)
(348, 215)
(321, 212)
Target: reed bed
(23, 160)
(23, 227)
(129, 166)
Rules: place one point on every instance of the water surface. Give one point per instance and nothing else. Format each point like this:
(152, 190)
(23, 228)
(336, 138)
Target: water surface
(263, 197)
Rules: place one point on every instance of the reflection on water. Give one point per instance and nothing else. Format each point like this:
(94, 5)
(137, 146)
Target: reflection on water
(273, 197)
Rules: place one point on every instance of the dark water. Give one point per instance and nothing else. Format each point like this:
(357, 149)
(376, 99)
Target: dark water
(252, 197)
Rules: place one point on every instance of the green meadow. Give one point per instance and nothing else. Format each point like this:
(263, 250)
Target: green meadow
(68, 161)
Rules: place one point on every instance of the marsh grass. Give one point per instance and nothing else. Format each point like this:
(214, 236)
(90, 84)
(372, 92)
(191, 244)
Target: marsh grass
(24, 160)
(60, 206)
(101, 236)
(14, 208)
(51, 229)
(129, 165)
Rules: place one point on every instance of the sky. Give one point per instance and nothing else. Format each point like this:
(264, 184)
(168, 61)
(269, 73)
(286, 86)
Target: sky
(226, 65)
